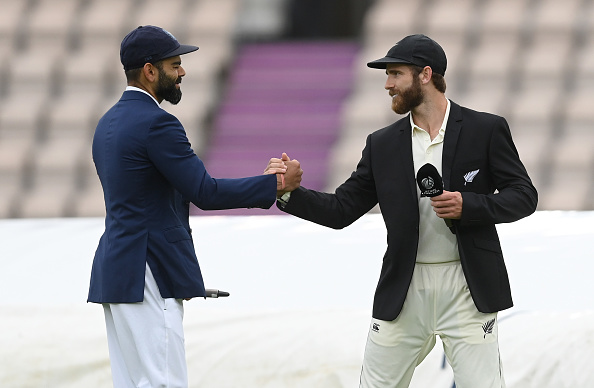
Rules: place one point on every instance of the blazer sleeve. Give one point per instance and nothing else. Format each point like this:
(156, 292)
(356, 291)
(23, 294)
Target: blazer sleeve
(170, 151)
(514, 195)
(352, 199)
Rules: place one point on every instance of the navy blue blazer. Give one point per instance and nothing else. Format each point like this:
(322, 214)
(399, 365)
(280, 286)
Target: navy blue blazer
(500, 192)
(149, 173)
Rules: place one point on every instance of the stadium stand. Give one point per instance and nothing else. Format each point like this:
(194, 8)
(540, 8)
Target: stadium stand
(531, 61)
(282, 97)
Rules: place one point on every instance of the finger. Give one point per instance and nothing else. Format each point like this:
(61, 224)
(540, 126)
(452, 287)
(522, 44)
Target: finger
(275, 171)
(439, 204)
(277, 165)
(285, 157)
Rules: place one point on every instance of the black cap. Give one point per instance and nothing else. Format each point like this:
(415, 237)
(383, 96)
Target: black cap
(419, 50)
(150, 44)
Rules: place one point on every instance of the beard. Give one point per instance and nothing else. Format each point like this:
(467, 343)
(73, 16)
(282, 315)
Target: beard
(408, 99)
(166, 88)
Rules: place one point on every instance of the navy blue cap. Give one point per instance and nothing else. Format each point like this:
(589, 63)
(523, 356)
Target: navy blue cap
(150, 44)
(418, 50)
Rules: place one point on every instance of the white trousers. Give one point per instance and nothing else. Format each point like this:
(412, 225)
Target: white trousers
(146, 341)
(438, 302)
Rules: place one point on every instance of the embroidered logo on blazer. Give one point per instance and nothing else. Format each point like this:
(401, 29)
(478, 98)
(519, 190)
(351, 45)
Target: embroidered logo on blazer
(469, 176)
(488, 327)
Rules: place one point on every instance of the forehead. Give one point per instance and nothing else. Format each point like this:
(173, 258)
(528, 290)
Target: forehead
(403, 67)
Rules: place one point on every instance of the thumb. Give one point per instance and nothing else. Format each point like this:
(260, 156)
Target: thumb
(285, 157)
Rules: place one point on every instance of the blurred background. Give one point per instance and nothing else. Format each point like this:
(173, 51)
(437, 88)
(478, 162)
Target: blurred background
(275, 76)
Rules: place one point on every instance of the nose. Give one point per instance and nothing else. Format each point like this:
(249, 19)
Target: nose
(389, 84)
(181, 72)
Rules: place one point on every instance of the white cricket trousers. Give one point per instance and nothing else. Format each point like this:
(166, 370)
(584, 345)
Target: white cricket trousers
(438, 302)
(146, 341)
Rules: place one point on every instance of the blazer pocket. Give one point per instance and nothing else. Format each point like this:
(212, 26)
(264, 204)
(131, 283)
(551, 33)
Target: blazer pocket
(470, 165)
(176, 234)
(488, 245)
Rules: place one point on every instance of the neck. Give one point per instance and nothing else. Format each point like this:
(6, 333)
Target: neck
(430, 113)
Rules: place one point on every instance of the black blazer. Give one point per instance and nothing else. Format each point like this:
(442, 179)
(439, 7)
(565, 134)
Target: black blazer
(500, 192)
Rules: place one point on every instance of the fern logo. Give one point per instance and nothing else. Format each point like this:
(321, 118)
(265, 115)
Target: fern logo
(469, 176)
(488, 327)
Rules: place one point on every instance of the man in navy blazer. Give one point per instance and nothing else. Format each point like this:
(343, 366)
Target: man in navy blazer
(437, 278)
(145, 264)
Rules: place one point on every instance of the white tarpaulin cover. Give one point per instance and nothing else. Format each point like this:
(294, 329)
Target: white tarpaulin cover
(299, 308)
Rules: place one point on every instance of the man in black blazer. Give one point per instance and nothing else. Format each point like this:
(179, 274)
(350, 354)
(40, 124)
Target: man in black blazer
(437, 278)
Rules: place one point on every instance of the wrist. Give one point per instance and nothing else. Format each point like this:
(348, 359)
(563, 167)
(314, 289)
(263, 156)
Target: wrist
(283, 198)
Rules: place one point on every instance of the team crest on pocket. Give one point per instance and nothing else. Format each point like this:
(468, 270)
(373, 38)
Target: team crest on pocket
(469, 176)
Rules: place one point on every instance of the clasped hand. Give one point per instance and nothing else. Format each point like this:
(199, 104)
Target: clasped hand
(288, 173)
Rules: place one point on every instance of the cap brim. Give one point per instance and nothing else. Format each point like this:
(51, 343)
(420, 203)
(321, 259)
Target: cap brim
(181, 50)
(382, 63)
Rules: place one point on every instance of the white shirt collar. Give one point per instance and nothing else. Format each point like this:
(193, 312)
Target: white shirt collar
(444, 124)
(135, 89)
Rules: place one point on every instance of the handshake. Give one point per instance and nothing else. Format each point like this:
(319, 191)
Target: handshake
(288, 173)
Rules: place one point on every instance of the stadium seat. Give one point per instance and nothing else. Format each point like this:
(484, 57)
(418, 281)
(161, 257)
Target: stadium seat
(504, 16)
(50, 23)
(15, 153)
(551, 16)
(21, 114)
(494, 56)
(390, 19)
(156, 13)
(11, 183)
(578, 112)
(539, 103)
(452, 17)
(11, 19)
(87, 70)
(212, 17)
(536, 62)
(33, 71)
(49, 196)
(261, 19)
(568, 190)
(483, 94)
(88, 201)
(103, 23)
(584, 64)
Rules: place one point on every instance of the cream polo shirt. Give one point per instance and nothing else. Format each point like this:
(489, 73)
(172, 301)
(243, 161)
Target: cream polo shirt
(437, 244)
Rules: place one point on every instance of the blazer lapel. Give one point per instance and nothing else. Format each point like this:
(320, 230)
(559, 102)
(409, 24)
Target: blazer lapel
(450, 141)
(404, 151)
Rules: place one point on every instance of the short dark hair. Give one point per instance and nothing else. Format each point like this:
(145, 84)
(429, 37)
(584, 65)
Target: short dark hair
(134, 74)
(437, 79)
